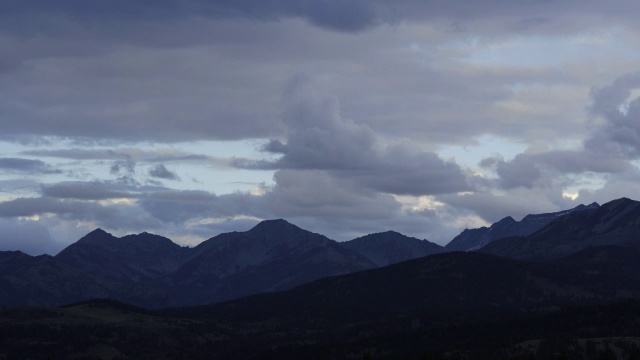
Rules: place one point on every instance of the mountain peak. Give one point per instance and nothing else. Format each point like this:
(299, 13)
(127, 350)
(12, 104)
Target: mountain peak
(276, 221)
(98, 231)
(97, 235)
(506, 220)
(623, 201)
(274, 225)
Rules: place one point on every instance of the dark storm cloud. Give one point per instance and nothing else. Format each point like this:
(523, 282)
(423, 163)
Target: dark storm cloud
(26, 166)
(319, 138)
(160, 171)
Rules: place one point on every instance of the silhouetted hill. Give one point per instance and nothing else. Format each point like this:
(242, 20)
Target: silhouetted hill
(474, 239)
(391, 247)
(614, 223)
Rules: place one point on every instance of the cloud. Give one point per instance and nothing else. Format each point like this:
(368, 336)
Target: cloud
(610, 144)
(84, 191)
(340, 15)
(530, 169)
(36, 206)
(26, 166)
(161, 172)
(315, 193)
(179, 207)
(615, 104)
(319, 138)
(102, 72)
(348, 16)
(161, 155)
(116, 93)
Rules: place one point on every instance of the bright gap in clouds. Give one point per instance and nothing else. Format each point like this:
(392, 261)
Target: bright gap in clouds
(201, 165)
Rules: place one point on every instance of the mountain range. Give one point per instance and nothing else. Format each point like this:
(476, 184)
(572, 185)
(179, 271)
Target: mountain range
(570, 289)
(153, 272)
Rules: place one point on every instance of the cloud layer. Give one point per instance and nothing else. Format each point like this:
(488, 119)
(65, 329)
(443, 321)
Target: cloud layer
(188, 118)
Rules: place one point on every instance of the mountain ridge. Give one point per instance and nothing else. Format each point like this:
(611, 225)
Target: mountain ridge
(474, 239)
(151, 271)
(614, 223)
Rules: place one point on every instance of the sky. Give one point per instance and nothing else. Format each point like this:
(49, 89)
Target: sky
(189, 118)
